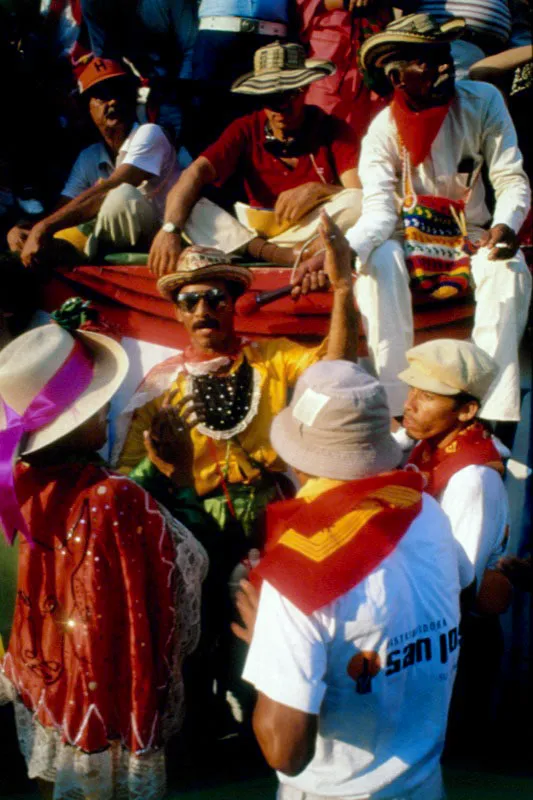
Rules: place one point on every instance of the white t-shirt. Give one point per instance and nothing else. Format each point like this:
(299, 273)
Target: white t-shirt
(387, 740)
(146, 147)
(475, 501)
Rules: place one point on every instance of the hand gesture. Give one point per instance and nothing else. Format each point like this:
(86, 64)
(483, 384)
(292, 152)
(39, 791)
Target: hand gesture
(168, 442)
(502, 240)
(247, 603)
(331, 264)
(164, 253)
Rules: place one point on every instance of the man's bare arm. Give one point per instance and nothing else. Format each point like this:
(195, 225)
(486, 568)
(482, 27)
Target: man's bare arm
(166, 247)
(286, 736)
(80, 209)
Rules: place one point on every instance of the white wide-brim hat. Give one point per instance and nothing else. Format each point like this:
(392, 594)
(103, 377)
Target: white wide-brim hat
(29, 362)
(337, 424)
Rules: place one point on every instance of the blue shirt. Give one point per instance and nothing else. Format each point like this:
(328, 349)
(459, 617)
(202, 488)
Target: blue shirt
(269, 10)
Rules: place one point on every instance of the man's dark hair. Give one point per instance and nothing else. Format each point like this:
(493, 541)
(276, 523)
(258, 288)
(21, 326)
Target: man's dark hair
(463, 398)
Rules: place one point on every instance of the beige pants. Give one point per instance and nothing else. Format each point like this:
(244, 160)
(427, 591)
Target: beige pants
(431, 789)
(211, 226)
(502, 295)
(126, 219)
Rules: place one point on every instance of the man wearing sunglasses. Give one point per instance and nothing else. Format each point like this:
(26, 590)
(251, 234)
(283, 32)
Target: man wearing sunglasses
(291, 158)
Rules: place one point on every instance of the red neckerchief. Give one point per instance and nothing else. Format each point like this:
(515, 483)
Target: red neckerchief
(417, 129)
(472, 445)
(318, 550)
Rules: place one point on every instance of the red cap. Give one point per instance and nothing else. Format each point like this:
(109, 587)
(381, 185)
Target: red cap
(100, 69)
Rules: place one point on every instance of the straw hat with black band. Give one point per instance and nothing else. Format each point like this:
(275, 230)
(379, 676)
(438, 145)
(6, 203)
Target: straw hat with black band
(281, 68)
(197, 264)
(406, 34)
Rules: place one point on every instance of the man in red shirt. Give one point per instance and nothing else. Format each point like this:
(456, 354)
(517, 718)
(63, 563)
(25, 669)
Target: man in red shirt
(293, 160)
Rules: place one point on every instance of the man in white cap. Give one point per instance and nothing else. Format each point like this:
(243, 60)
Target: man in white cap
(448, 380)
(359, 609)
(457, 457)
(428, 147)
(291, 159)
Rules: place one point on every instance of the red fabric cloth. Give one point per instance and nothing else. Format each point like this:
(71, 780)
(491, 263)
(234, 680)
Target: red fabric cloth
(240, 150)
(337, 36)
(417, 129)
(473, 445)
(92, 630)
(318, 550)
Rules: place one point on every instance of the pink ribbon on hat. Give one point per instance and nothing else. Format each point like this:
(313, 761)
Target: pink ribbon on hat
(67, 384)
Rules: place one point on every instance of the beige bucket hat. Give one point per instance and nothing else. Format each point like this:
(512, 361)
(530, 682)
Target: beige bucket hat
(29, 362)
(449, 367)
(280, 68)
(337, 425)
(197, 264)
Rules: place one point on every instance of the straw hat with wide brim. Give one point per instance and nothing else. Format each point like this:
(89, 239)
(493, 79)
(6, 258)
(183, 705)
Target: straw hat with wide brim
(280, 68)
(410, 31)
(32, 359)
(198, 264)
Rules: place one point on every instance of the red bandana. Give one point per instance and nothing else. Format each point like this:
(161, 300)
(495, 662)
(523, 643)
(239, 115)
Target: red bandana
(473, 445)
(318, 550)
(417, 129)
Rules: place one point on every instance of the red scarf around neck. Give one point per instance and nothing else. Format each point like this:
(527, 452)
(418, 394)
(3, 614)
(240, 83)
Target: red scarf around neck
(417, 129)
(472, 445)
(319, 549)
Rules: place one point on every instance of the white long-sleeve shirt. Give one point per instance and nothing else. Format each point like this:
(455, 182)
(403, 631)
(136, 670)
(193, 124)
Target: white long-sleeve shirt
(478, 128)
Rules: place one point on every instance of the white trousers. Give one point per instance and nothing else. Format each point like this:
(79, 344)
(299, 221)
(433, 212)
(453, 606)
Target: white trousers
(431, 789)
(126, 219)
(502, 295)
(212, 226)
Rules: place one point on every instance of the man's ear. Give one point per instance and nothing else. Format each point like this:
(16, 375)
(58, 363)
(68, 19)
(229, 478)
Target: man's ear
(468, 411)
(179, 315)
(395, 78)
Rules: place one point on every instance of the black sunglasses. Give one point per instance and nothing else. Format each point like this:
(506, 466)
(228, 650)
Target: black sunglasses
(215, 299)
(280, 100)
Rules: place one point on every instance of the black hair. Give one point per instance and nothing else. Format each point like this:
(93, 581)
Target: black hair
(463, 398)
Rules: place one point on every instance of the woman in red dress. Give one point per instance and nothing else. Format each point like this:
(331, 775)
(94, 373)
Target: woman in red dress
(93, 665)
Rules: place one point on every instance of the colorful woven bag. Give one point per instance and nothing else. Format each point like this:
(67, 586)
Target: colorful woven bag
(436, 245)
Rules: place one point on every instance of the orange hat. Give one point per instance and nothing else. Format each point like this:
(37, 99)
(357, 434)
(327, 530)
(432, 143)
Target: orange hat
(100, 69)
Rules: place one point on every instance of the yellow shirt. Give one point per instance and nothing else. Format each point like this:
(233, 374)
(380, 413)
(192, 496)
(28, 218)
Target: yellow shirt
(277, 364)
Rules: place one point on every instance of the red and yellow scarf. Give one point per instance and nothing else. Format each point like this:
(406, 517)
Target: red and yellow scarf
(473, 445)
(317, 550)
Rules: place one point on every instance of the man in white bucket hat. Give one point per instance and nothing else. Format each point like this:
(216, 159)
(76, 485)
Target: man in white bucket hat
(88, 678)
(359, 606)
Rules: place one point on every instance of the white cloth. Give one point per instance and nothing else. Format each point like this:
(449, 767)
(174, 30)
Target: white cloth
(478, 129)
(431, 789)
(147, 148)
(387, 741)
(126, 219)
(475, 501)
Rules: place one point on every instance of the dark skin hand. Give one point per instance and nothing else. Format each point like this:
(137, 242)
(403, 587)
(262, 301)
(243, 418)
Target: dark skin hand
(247, 601)
(168, 442)
(314, 272)
(502, 240)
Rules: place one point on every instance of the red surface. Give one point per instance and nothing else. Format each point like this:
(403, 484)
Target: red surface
(128, 299)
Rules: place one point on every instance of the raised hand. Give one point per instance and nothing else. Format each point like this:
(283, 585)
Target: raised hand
(168, 443)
